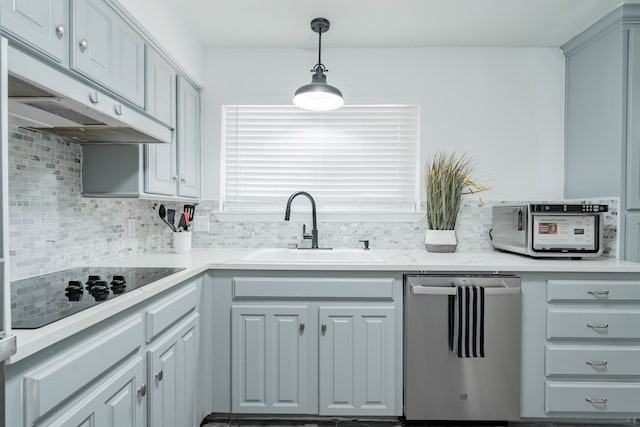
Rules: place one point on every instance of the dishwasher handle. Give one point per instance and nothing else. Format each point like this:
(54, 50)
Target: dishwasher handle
(500, 289)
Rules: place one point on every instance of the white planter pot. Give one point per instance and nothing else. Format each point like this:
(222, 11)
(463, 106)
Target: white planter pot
(440, 241)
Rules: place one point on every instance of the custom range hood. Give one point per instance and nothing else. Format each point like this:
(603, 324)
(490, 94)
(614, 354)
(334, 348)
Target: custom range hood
(51, 100)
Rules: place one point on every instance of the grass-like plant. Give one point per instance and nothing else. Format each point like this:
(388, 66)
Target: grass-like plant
(448, 179)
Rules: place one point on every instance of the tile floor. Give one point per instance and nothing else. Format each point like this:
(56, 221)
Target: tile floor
(212, 421)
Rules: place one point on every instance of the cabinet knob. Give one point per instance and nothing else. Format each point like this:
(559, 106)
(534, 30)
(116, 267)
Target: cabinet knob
(597, 325)
(142, 391)
(160, 375)
(118, 109)
(84, 44)
(93, 97)
(600, 401)
(323, 329)
(301, 328)
(183, 180)
(174, 178)
(60, 31)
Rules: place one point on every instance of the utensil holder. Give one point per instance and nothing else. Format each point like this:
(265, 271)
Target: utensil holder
(182, 242)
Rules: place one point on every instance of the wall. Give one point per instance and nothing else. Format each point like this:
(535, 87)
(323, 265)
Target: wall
(52, 227)
(504, 106)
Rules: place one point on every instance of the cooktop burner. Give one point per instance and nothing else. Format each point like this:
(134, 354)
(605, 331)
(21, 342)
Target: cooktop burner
(41, 300)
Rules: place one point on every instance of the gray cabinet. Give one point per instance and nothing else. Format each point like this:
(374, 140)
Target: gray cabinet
(357, 360)
(270, 350)
(188, 139)
(170, 171)
(326, 344)
(117, 402)
(602, 129)
(161, 159)
(41, 25)
(107, 50)
(172, 376)
(580, 346)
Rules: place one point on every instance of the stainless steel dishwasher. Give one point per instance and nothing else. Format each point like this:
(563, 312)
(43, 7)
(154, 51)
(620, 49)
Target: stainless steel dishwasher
(439, 385)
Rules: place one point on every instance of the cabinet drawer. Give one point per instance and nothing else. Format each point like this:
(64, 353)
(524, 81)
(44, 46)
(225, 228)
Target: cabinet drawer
(592, 360)
(592, 397)
(593, 323)
(48, 386)
(300, 287)
(593, 290)
(171, 309)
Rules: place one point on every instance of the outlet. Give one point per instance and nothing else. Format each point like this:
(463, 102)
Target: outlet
(131, 227)
(201, 223)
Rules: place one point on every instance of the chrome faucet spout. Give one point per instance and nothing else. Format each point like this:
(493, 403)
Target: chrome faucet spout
(314, 232)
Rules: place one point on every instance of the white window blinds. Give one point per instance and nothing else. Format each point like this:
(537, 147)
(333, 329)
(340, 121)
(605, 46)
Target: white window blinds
(357, 158)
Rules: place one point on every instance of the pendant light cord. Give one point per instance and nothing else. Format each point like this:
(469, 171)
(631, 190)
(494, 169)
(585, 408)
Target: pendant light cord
(319, 66)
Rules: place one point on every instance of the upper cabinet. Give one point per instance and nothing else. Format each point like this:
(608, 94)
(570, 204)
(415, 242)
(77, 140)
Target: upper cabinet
(602, 124)
(41, 25)
(106, 49)
(188, 139)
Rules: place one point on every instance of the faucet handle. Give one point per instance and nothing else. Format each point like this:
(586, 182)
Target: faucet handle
(366, 244)
(304, 232)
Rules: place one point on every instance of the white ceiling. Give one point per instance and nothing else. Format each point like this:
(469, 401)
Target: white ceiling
(391, 23)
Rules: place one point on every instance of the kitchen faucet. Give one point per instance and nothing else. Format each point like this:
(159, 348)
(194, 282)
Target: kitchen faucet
(314, 231)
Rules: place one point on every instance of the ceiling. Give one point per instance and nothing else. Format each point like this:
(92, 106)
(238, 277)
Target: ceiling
(391, 23)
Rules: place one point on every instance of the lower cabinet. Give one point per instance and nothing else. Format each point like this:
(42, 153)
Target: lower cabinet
(135, 369)
(357, 360)
(171, 383)
(116, 402)
(322, 353)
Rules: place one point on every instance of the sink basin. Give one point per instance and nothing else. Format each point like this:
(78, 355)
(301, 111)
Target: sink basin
(303, 256)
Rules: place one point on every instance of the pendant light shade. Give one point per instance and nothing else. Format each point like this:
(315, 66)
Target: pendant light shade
(318, 95)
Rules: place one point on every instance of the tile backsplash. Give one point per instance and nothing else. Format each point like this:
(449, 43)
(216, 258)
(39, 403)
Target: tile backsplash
(52, 227)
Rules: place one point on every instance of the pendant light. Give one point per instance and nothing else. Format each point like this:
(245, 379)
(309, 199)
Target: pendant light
(318, 95)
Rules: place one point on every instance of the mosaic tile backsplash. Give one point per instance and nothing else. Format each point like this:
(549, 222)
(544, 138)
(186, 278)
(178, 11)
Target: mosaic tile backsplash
(53, 228)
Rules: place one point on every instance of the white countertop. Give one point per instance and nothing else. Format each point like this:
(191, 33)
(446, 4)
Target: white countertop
(201, 260)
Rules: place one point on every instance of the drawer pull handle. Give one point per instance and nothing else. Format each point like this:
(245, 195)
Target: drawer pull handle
(595, 363)
(597, 325)
(596, 401)
(598, 292)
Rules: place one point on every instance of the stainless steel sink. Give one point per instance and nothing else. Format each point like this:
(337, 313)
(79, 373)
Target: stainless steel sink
(315, 256)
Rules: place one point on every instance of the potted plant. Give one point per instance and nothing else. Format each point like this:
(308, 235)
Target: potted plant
(448, 179)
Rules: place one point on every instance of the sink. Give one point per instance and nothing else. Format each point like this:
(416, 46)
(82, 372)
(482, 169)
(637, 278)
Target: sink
(303, 256)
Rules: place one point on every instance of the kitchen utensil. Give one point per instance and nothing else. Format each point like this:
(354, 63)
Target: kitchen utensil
(191, 210)
(171, 216)
(162, 212)
(182, 224)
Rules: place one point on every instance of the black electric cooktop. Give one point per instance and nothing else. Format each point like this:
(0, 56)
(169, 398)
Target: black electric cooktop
(41, 300)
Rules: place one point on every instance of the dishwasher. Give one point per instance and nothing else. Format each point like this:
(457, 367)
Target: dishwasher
(440, 385)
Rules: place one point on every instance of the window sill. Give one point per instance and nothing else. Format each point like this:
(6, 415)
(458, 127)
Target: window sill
(303, 216)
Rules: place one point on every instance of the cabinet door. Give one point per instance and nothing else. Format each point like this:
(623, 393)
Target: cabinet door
(357, 360)
(160, 171)
(633, 121)
(115, 402)
(632, 237)
(108, 50)
(172, 363)
(188, 139)
(269, 353)
(41, 24)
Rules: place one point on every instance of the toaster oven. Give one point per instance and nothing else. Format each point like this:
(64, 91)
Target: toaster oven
(549, 230)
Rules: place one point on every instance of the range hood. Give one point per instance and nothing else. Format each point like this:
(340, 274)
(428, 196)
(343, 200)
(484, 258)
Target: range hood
(47, 99)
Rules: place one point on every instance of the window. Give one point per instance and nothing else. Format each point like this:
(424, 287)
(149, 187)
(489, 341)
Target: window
(357, 158)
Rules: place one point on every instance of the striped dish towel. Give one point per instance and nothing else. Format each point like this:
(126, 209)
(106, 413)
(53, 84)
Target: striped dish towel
(466, 321)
